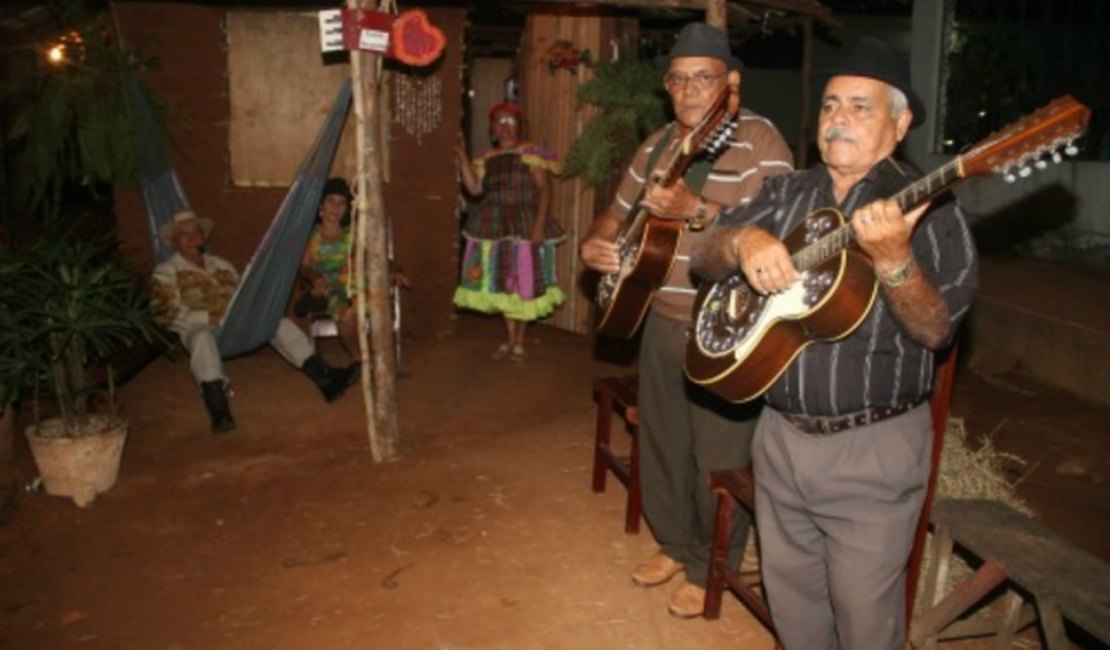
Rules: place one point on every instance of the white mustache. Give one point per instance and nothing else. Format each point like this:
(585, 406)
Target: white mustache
(836, 132)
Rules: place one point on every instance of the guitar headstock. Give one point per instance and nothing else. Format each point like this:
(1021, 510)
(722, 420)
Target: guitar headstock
(713, 130)
(1012, 150)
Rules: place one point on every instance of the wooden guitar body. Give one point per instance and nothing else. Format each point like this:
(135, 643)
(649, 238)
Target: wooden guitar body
(626, 295)
(647, 245)
(743, 341)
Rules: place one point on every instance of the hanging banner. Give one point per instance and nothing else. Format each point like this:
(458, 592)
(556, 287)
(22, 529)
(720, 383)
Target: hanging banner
(407, 37)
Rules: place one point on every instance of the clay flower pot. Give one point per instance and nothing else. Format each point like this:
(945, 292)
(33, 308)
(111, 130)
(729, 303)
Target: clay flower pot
(78, 467)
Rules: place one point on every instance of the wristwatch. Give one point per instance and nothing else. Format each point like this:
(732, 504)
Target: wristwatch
(899, 277)
(701, 219)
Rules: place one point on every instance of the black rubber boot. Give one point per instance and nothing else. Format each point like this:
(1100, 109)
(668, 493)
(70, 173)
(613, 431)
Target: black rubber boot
(332, 382)
(215, 400)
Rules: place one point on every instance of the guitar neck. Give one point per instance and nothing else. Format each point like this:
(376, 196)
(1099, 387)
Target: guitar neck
(909, 198)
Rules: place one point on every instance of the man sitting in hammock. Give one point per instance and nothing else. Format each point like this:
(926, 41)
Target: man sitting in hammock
(191, 291)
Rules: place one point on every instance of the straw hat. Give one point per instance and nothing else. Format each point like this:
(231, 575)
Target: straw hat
(168, 230)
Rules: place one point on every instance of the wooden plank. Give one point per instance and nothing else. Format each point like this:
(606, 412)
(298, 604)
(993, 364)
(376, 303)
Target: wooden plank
(716, 14)
(553, 95)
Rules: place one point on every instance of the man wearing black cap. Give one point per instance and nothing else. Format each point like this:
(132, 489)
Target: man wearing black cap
(841, 453)
(685, 432)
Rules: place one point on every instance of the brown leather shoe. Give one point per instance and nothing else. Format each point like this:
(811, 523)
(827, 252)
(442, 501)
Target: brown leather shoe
(657, 570)
(688, 601)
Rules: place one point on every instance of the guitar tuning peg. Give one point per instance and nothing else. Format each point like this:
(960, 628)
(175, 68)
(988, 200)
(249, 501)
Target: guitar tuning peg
(1040, 164)
(1009, 178)
(1024, 172)
(1071, 150)
(1056, 157)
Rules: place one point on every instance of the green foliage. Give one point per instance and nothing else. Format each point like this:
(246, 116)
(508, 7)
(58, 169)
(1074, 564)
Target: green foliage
(73, 120)
(630, 104)
(68, 301)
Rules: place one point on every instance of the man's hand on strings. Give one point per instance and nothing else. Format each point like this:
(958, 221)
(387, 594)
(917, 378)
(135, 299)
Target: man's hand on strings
(675, 202)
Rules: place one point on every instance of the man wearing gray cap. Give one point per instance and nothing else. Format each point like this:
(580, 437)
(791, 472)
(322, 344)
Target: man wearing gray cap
(842, 449)
(685, 432)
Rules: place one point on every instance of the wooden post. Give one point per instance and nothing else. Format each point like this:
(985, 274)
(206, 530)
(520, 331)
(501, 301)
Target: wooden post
(716, 14)
(371, 263)
(807, 72)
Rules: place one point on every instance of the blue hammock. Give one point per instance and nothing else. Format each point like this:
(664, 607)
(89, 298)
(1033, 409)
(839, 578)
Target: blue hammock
(259, 302)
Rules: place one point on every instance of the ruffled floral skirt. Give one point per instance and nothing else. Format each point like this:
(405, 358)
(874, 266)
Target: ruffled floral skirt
(513, 277)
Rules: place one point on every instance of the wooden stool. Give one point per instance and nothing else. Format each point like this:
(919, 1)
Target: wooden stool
(738, 486)
(620, 391)
(1064, 580)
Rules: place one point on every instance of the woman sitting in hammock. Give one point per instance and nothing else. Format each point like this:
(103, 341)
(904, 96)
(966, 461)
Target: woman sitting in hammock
(326, 266)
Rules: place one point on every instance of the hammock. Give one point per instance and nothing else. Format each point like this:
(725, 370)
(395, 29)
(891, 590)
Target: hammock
(259, 302)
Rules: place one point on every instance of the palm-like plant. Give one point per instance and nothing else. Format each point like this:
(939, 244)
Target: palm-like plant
(630, 104)
(70, 302)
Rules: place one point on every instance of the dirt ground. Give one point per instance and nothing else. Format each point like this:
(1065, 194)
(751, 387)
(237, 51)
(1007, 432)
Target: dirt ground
(484, 534)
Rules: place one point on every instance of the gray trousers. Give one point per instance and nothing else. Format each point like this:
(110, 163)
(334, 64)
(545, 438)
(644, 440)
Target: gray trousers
(836, 516)
(686, 433)
(204, 355)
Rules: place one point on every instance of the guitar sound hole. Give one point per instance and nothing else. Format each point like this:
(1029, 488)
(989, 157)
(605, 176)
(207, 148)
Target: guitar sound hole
(726, 315)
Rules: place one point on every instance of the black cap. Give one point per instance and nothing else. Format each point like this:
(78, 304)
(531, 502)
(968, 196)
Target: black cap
(337, 185)
(870, 57)
(700, 39)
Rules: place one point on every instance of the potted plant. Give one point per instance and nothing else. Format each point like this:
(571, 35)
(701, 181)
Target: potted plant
(72, 305)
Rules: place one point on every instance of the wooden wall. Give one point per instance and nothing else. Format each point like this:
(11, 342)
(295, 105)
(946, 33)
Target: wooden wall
(487, 89)
(190, 43)
(550, 105)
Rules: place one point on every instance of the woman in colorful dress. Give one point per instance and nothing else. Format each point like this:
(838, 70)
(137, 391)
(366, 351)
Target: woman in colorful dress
(326, 266)
(508, 266)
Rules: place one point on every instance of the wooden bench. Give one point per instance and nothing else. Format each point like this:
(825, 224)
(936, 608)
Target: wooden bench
(1063, 580)
(619, 392)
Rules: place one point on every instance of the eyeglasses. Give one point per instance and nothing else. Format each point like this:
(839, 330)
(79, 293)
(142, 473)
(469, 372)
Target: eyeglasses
(505, 119)
(700, 81)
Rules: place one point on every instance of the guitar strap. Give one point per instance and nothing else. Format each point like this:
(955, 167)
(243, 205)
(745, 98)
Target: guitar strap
(696, 174)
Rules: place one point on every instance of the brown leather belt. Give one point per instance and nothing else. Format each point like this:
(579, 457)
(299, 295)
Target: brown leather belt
(838, 423)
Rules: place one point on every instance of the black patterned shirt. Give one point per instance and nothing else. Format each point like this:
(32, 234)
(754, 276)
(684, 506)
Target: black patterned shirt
(878, 364)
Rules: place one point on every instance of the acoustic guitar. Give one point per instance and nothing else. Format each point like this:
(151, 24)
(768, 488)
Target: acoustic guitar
(646, 244)
(743, 341)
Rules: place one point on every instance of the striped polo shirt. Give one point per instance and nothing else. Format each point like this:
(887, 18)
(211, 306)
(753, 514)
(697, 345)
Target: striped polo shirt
(878, 364)
(756, 151)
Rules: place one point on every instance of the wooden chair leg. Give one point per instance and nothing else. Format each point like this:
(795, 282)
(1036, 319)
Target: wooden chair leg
(634, 508)
(718, 556)
(966, 594)
(1052, 624)
(601, 441)
(1011, 614)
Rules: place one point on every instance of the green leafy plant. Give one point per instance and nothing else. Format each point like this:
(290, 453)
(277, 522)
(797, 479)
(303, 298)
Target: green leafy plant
(73, 122)
(70, 303)
(630, 102)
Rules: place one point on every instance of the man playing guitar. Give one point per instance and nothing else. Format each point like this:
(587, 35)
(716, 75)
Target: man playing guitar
(842, 450)
(685, 432)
